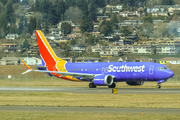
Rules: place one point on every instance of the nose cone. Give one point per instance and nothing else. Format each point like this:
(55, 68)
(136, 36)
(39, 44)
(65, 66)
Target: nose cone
(170, 74)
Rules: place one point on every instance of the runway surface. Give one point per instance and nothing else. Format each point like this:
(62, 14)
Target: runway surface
(92, 90)
(89, 109)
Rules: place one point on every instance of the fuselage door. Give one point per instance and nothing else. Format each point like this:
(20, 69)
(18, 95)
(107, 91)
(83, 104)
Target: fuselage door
(151, 69)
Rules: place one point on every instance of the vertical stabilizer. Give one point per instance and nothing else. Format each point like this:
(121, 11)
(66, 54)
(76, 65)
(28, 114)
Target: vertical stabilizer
(48, 56)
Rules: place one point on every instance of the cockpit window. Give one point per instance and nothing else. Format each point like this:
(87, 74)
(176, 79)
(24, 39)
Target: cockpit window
(160, 68)
(163, 68)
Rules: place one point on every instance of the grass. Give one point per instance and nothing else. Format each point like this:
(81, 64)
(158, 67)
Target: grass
(46, 81)
(19, 115)
(90, 100)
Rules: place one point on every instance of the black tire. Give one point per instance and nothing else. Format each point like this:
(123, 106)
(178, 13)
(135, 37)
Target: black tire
(112, 86)
(92, 85)
(158, 86)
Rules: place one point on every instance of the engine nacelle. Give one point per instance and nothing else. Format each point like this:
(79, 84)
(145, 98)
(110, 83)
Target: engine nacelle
(133, 83)
(103, 80)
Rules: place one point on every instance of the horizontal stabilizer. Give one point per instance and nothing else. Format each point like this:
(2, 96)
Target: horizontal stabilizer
(26, 71)
(28, 68)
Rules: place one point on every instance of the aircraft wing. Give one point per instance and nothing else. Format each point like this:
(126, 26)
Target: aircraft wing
(66, 73)
(73, 74)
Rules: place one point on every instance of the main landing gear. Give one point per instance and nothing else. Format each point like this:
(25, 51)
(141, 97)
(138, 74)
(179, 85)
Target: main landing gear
(112, 86)
(92, 85)
(158, 85)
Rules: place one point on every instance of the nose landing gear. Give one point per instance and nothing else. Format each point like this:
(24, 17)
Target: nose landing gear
(159, 83)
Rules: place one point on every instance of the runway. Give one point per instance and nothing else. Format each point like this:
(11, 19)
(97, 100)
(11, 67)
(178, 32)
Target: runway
(81, 90)
(89, 109)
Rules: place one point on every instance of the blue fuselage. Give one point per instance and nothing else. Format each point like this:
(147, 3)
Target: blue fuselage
(124, 71)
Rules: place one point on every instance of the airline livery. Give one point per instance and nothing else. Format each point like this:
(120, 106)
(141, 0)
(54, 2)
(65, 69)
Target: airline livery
(101, 73)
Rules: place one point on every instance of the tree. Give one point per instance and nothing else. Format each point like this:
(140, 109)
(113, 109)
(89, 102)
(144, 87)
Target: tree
(37, 5)
(38, 15)
(38, 24)
(114, 18)
(151, 3)
(16, 1)
(147, 19)
(83, 5)
(86, 24)
(73, 42)
(73, 14)
(2, 33)
(25, 2)
(106, 28)
(46, 28)
(66, 28)
(12, 29)
(93, 10)
(3, 23)
(67, 49)
(100, 3)
(25, 22)
(155, 51)
(45, 4)
(26, 44)
(115, 2)
(96, 40)
(167, 2)
(21, 26)
(1, 7)
(9, 15)
(32, 25)
(58, 10)
(62, 7)
(114, 21)
(24, 33)
(149, 29)
(90, 39)
(3, 2)
(125, 30)
(51, 16)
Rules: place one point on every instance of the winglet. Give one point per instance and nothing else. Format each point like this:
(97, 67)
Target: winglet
(26, 65)
(28, 68)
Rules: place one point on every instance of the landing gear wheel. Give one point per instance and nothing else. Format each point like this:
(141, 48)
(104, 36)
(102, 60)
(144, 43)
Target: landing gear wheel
(92, 85)
(112, 86)
(158, 86)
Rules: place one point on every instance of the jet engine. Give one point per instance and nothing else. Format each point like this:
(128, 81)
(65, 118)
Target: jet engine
(133, 83)
(103, 80)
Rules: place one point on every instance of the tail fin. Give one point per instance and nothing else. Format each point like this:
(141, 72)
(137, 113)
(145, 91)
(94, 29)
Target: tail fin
(49, 58)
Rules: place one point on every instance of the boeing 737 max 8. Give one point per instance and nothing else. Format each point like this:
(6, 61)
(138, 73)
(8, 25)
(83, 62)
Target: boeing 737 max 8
(101, 73)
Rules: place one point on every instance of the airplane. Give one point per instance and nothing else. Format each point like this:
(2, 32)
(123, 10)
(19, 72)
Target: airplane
(98, 73)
